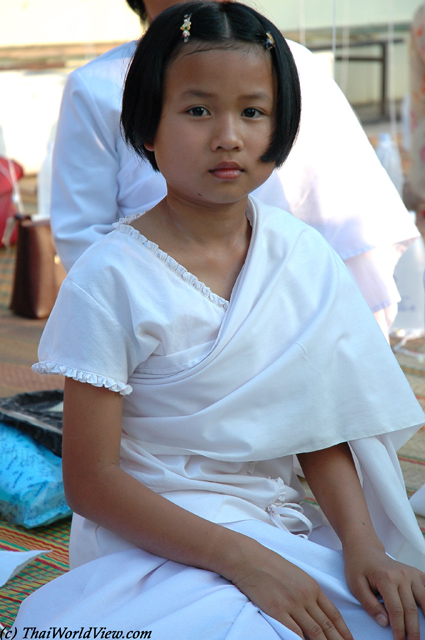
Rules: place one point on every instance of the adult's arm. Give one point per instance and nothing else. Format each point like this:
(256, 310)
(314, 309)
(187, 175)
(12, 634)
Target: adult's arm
(84, 172)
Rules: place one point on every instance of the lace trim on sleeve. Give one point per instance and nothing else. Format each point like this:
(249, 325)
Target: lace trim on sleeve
(53, 368)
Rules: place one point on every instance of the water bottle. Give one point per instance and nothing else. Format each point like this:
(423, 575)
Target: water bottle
(408, 276)
(389, 156)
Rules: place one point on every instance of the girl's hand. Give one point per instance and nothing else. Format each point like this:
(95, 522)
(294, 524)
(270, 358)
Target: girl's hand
(372, 574)
(288, 594)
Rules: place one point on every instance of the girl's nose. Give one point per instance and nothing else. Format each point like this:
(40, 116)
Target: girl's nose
(227, 134)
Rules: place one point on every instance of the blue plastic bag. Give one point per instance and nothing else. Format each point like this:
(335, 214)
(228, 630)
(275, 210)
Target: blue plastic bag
(31, 485)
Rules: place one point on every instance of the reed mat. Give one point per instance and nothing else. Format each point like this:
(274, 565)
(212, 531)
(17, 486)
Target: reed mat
(41, 570)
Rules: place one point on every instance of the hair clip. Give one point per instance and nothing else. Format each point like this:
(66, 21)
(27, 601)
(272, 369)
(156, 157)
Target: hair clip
(186, 27)
(270, 43)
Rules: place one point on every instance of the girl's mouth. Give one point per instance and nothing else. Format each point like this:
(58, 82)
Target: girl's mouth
(227, 171)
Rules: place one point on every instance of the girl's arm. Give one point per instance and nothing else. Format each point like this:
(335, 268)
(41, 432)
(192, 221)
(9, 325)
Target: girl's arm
(98, 489)
(370, 573)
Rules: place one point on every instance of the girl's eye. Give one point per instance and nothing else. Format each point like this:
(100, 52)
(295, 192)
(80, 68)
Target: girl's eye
(250, 112)
(198, 111)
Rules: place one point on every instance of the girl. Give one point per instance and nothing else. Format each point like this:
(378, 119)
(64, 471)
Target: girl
(205, 343)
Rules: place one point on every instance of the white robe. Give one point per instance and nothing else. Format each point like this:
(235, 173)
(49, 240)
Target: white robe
(332, 179)
(218, 396)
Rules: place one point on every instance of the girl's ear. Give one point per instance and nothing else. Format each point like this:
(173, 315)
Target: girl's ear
(149, 146)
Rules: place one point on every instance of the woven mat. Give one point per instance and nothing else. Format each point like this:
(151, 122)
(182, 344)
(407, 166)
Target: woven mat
(39, 571)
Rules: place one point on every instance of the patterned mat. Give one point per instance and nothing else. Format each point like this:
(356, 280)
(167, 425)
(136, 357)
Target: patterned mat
(39, 571)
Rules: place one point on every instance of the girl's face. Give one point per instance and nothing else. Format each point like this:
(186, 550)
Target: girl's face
(216, 123)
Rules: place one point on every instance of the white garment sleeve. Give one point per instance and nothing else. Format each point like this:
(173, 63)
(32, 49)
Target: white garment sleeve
(84, 341)
(84, 173)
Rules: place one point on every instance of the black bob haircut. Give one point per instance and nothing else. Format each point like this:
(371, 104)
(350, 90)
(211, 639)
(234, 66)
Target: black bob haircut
(214, 25)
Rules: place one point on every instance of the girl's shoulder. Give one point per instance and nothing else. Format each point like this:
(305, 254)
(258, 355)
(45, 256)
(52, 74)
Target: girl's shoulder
(283, 225)
(287, 240)
(114, 259)
(126, 263)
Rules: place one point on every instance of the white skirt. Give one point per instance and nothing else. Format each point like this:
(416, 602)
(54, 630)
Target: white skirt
(132, 593)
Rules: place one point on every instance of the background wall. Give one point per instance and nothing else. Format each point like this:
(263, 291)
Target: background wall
(53, 21)
(360, 82)
(25, 22)
(289, 14)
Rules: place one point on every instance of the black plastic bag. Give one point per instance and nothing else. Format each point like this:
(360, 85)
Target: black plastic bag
(39, 414)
